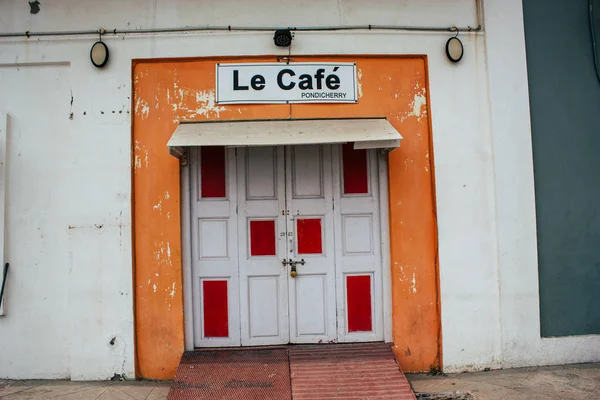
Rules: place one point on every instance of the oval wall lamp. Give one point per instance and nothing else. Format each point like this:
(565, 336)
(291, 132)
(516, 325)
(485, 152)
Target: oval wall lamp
(99, 52)
(454, 48)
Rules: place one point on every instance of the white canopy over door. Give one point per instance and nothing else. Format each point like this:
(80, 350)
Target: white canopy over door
(365, 133)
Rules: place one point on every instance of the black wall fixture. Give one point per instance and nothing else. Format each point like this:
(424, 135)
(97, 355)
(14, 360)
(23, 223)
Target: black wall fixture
(283, 38)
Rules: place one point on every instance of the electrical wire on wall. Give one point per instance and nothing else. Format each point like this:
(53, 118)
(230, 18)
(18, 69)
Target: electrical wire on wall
(593, 34)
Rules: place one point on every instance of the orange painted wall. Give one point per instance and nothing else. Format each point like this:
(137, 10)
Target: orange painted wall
(166, 92)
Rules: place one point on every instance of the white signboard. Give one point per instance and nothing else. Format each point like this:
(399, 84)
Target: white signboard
(286, 83)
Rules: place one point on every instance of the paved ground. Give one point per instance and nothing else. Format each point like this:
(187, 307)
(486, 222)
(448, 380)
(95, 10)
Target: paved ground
(41, 390)
(576, 382)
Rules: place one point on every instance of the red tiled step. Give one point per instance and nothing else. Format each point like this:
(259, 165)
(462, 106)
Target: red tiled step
(361, 371)
(320, 372)
(232, 374)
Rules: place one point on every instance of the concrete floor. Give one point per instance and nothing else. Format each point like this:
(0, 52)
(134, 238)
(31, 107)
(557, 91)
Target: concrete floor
(102, 390)
(577, 382)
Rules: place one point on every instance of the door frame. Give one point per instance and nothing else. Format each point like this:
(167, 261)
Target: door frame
(186, 248)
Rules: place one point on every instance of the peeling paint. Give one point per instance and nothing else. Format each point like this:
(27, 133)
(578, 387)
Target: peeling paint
(417, 108)
(137, 162)
(418, 105)
(418, 102)
(359, 83)
(142, 108)
(205, 100)
(140, 159)
(413, 283)
(162, 254)
(402, 274)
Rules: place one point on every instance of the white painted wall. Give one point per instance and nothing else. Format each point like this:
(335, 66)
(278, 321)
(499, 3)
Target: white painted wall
(521, 344)
(68, 198)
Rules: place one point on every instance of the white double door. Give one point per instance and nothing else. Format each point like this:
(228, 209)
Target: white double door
(291, 252)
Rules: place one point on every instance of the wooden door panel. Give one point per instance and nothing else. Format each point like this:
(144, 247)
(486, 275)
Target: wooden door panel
(215, 292)
(309, 199)
(262, 246)
(317, 204)
(358, 245)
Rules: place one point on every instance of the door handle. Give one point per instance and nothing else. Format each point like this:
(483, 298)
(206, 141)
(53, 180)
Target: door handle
(291, 262)
(293, 272)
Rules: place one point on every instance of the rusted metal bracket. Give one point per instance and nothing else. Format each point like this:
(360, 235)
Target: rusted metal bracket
(179, 152)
